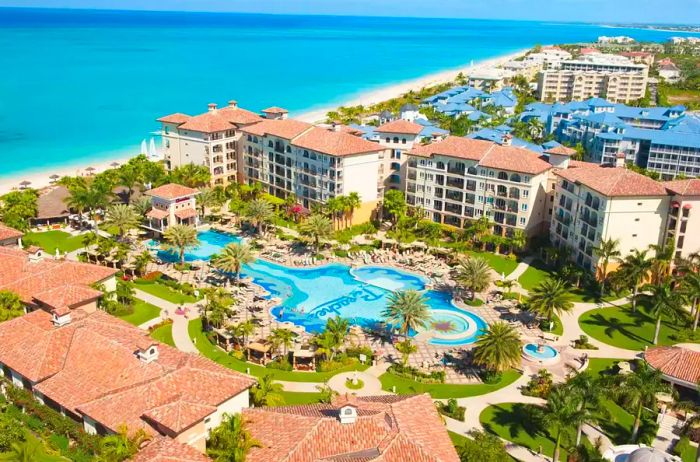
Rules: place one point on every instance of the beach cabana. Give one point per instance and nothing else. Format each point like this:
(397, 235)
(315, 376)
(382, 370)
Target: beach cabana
(224, 339)
(260, 352)
(387, 241)
(304, 358)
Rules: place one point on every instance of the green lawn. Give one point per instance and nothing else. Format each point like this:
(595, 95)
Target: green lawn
(162, 291)
(444, 390)
(499, 263)
(291, 397)
(55, 239)
(517, 422)
(533, 275)
(218, 355)
(142, 312)
(620, 327)
(164, 334)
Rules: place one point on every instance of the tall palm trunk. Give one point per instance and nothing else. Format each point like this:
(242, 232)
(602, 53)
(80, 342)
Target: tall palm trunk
(635, 290)
(696, 310)
(637, 421)
(557, 446)
(658, 328)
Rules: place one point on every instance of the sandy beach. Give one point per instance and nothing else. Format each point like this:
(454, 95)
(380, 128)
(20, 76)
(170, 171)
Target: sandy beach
(40, 178)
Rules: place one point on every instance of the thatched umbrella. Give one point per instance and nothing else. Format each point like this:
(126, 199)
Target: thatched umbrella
(90, 170)
(114, 164)
(25, 184)
(54, 177)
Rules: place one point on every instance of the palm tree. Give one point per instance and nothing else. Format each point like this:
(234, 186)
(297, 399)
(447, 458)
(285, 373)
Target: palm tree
(141, 261)
(191, 175)
(141, 205)
(233, 257)
(32, 449)
(123, 217)
(231, 441)
(406, 348)
(407, 310)
(243, 330)
(11, 305)
(338, 328)
(130, 178)
(260, 213)
(121, 445)
(638, 390)
(664, 301)
(661, 263)
(635, 268)
(590, 394)
(326, 344)
(607, 250)
(352, 201)
(207, 197)
(690, 285)
(561, 413)
(283, 338)
(518, 240)
(498, 349)
(317, 227)
(334, 206)
(550, 298)
(179, 238)
(475, 274)
(266, 392)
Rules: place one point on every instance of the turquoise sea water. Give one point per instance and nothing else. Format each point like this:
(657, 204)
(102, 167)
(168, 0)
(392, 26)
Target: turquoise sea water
(79, 86)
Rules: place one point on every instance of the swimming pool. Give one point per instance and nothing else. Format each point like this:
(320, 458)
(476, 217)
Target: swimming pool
(310, 296)
(210, 243)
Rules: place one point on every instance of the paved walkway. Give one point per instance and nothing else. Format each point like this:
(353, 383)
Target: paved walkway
(372, 385)
(521, 268)
(181, 337)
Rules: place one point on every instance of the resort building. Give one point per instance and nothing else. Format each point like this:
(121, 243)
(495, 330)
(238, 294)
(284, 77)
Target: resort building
(639, 57)
(398, 137)
(54, 285)
(668, 70)
(171, 204)
(592, 76)
(547, 58)
(9, 236)
(678, 366)
(662, 139)
(489, 79)
(464, 101)
(593, 203)
(207, 139)
(382, 428)
(683, 220)
(457, 180)
(107, 374)
(313, 164)
(162, 449)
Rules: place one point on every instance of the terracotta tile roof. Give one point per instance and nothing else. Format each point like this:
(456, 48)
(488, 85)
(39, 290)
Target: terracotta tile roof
(282, 128)
(392, 430)
(29, 279)
(67, 296)
(171, 191)
(275, 110)
(89, 366)
(614, 182)
(176, 118)
(486, 153)
(157, 214)
(186, 213)
(561, 151)
(334, 143)
(215, 120)
(7, 233)
(676, 362)
(689, 187)
(168, 450)
(582, 164)
(400, 126)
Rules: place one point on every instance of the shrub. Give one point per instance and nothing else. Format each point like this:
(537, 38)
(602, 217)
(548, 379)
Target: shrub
(582, 343)
(280, 363)
(152, 276)
(490, 377)
(540, 385)
(340, 253)
(238, 354)
(414, 374)
(475, 302)
(686, 335)
(510, 296)
(164, 322)
(451, 409)
(338, 362)
(355, 352)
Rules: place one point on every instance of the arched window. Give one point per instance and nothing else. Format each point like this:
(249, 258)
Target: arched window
(388, 140)
(515, 177)
(471, 170)
(396, 139)
(403, 140)
(502, 176)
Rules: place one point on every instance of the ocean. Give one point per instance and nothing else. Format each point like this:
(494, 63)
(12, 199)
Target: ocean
(81, 86)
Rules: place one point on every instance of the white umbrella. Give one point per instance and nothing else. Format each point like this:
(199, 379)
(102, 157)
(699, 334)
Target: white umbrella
(152, 152)
(58, 254)
(144, 147)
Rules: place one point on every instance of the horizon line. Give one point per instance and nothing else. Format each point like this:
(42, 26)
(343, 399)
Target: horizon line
(148, 10)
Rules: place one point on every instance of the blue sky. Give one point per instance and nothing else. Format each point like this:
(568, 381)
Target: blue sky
(647, 11)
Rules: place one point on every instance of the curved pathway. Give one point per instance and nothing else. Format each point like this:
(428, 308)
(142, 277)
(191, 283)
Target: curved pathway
(372, 385)
(181, 336)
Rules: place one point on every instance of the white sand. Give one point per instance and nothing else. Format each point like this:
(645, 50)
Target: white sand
(40, 178)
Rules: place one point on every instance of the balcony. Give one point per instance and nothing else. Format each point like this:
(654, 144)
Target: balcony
(455, 183)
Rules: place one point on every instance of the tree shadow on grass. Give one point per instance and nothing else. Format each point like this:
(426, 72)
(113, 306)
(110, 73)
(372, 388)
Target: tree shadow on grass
(517, 419)
(614, 325)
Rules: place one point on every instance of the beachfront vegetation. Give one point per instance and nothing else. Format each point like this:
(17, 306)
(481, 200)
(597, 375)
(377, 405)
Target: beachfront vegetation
(498, 349)
(17, 208)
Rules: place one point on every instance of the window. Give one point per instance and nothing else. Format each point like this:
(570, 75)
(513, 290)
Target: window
(388, 140)
(522, 221)
(396, 139)
(403, 140)
(270, 144)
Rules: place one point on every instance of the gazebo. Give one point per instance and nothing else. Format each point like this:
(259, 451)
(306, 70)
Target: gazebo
(260, 352)
(224, 339)
(388, 241)
(304, 358)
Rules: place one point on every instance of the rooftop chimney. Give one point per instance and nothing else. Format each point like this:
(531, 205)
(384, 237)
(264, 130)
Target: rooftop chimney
(233, 103)
(60, 317)
(507, 140)
(336, 127)
(347, 414)
(212, 107)
(35, 254)
(620, 160)
(147, 351)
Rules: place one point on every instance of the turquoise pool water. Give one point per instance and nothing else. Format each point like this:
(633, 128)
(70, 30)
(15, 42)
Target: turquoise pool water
(540, 352)
(312, 295)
